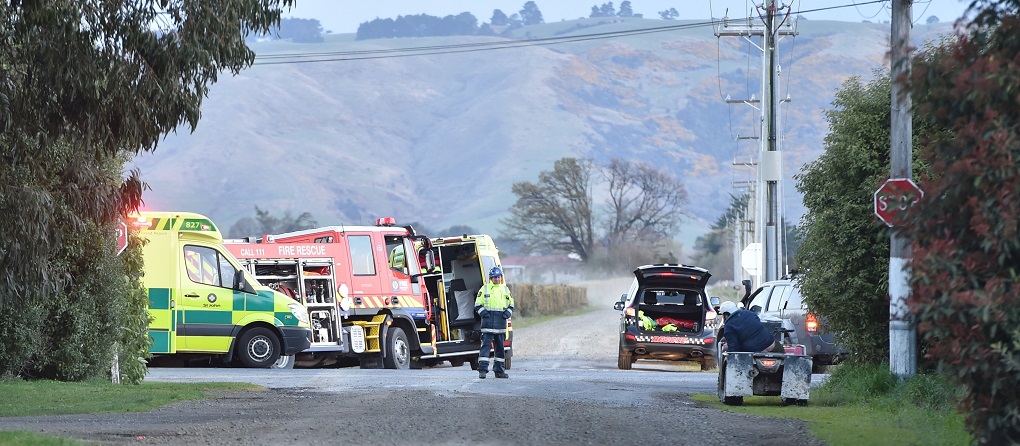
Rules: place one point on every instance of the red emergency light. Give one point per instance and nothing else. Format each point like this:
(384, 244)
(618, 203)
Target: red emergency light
(386, 221)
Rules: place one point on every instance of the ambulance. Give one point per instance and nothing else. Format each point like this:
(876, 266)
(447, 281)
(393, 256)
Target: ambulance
(378, 296)
(203, 303)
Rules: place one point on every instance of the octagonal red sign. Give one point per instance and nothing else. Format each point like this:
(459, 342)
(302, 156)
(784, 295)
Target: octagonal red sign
(122, 237)
(894, 199)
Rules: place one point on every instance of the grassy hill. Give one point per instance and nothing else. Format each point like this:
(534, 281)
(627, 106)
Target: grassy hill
(440, 138)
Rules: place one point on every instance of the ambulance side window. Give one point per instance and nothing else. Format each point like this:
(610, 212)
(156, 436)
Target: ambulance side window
(202, 265)
(362, 259)
(209, 267)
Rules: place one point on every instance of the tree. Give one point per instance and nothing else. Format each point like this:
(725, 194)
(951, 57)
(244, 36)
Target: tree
(714, 250)
(531, 15)
(932, 19)
(499, 18)
(643, 202)
(89, 82)
(966, 282)
(625, 9)
(555, 214)
(266, 223)
(301, 30)
(841, 240)
(669, 14)
(558, 214)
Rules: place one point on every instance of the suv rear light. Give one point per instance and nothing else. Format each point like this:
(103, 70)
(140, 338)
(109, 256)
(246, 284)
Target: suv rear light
(811, 323)
(710, 316)
(629, 312)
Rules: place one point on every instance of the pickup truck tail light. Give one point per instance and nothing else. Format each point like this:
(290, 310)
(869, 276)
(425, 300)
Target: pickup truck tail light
(811, 323)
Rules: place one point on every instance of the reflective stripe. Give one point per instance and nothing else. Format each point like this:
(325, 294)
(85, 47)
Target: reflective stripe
(500, 360)
(493, 330)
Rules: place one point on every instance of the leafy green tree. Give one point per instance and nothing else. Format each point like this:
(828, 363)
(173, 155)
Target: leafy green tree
(301, 30)
(499, 18)
(531, 15)
(714, 250)
(669, 14)
(86, 82)
(625, 9)
(842, 242)
(966, 278)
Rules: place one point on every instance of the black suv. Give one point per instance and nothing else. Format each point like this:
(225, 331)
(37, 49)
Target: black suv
(667, 316)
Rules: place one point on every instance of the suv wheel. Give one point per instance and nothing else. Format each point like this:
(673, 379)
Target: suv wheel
(624, 361)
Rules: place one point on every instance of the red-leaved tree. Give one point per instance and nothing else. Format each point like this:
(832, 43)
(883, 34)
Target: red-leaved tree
(966, 263)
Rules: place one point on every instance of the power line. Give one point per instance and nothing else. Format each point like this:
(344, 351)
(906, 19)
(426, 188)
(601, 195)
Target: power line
(338, 56)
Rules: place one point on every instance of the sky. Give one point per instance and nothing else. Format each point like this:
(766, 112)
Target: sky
(344, 16)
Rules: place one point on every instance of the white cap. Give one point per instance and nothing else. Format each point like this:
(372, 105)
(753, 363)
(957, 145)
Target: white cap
(728, 307)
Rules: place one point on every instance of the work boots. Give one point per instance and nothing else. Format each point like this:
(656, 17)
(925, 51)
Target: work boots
(502, 375)
(481, 375)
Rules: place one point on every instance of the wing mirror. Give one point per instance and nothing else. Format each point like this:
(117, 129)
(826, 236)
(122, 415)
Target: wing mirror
(714, 301)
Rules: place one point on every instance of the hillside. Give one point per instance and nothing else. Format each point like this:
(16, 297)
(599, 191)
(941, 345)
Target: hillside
(440, 138)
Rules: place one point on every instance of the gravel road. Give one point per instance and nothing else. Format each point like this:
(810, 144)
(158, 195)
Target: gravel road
(564, 390)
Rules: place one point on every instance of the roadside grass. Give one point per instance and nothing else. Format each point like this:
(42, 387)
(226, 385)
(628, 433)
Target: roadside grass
(32, 398)
(867, 405)
(523, 322)
(28, 398)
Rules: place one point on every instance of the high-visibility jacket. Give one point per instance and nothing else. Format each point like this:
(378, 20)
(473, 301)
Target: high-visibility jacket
(495, 305)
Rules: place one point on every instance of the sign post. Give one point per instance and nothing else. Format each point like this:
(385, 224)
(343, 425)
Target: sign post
(894, 199)
(122, 237)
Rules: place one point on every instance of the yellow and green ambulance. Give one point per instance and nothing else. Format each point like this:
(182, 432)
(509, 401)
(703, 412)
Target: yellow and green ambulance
(203, 303)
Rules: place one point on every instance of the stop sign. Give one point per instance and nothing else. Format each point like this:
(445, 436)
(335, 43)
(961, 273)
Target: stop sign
(122, 237)
(894, 198)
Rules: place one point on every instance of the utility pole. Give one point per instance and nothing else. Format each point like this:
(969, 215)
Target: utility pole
(767, 196)
(902, 332)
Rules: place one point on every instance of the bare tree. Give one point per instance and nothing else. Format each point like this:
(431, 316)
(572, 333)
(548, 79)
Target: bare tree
(644, 202)
(557, 214)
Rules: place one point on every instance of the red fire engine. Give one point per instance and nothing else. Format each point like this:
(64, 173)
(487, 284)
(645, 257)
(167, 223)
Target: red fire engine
(382, 295)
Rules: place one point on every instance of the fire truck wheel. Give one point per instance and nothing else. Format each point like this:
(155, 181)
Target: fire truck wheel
(398, 351)
(285, 362)
(258, 348)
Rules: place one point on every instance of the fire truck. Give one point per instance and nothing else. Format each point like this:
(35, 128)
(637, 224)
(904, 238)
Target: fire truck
(383, 296)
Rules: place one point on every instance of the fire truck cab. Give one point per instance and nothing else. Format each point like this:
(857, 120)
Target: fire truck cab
(375, 294)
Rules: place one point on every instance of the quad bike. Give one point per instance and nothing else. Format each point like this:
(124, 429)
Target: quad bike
(787, 375)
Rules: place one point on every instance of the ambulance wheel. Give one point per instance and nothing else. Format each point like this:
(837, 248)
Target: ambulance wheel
(258, 348)
(624, 360)
(398, 351)
(456, 362)
(285, 362)
(473, 363)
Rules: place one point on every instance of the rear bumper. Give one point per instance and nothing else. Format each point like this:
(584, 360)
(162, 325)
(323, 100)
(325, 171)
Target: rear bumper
(695, 347)
(824, 351)
(295, 339)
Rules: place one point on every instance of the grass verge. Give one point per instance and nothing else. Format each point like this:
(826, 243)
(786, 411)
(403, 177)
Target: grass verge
(523, 322)
(867, 405)
(30, 398)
